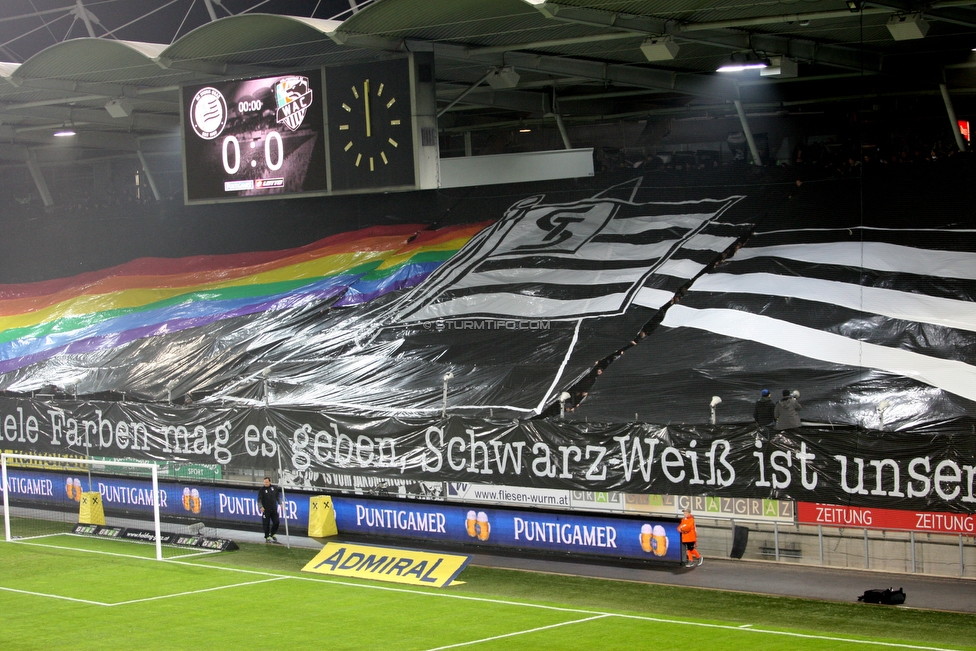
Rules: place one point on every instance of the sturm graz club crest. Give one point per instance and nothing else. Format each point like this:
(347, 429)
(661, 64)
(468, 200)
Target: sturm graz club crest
(565, 261)
(292, 99)
(208, 113)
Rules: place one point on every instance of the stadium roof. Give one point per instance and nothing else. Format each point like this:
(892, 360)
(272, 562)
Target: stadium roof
(64, 61)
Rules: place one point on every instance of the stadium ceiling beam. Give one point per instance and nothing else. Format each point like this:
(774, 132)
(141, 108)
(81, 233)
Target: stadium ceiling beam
(111, 90)
(515, 100)
(900, 6)
(14, 153)
(214, 68)
(656, 26)
(83, 139)
(640, 77)
(637, 76)
(138, 121)
(78, 91)
(776, 45)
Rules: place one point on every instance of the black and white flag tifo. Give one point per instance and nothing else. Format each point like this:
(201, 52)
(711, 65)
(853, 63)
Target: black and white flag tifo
(589, 258)
(876, 326)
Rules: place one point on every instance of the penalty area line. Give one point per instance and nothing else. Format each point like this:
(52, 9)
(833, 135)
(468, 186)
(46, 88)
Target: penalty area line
(192, 592)
(525, 632)
(54, 596)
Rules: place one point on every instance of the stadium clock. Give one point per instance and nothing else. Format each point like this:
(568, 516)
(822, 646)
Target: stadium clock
(370, 126)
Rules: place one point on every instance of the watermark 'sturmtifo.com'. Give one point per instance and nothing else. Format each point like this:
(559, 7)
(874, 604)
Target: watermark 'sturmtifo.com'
(485, 324)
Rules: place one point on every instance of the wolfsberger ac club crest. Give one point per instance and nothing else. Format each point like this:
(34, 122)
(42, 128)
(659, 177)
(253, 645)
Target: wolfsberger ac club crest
(292, 99)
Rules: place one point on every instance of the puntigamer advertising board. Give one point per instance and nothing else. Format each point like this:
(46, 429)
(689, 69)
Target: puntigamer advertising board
(640, 538)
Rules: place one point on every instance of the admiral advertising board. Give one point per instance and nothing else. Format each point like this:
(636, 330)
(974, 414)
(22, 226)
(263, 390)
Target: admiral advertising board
(254, 137)
(653, 539)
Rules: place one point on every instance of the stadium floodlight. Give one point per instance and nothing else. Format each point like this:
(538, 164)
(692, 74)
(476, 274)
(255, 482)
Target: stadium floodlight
(740, 61)
(659, 49)
(65, 131)
(907, 27)
(27, 514)
(782, 67)
(503, 78)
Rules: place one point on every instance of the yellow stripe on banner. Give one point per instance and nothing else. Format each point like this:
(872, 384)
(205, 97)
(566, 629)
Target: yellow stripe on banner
(387, 564)
(133, 298)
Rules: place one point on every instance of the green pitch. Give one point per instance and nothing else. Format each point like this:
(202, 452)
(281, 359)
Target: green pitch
(61, 592)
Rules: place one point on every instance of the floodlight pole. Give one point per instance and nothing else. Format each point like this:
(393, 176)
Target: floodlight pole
(159, 534)
(953, 122)
(756, 160)
(149, 175)
(284, 501)
(6, 501)
(447, 376)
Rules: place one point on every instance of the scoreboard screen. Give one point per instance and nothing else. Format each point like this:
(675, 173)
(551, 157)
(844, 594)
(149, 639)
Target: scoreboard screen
(254, 137)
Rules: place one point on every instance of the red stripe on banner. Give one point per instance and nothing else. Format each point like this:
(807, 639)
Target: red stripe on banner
(861, 517)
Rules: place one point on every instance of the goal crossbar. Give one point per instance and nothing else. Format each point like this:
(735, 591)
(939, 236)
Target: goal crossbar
(4, 457)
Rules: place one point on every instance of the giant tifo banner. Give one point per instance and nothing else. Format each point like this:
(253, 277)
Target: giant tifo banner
(641, 298)
(835, 466)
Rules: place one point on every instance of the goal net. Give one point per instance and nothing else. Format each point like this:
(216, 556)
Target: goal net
(44, 495)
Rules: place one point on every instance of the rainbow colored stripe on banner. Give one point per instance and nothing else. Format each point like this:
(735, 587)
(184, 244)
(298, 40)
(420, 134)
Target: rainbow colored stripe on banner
(157, 296)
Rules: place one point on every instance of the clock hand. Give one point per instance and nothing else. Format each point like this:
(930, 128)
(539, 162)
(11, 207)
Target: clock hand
(369, 130)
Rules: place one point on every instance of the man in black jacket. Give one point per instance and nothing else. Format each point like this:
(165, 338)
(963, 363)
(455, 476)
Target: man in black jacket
(764, 412)
(269, 497)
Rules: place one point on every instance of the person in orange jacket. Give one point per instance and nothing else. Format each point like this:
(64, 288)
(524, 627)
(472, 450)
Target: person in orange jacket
(689, 538)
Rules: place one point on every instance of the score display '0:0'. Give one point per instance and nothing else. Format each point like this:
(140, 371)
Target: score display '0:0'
(232, 144)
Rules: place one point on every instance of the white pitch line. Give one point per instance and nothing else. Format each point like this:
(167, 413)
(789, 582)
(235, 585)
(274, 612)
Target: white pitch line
(205, 552)
(526, 632)
(767, 631)
(87, 551)
(54, 596)
(526, 605)
(189, 592)
(503, 602)
(45, 535)
(23, 541)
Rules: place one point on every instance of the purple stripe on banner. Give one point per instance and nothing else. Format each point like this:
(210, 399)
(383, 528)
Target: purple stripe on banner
(113, 340)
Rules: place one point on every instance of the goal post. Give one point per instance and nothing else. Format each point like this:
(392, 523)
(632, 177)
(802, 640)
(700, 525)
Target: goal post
(33, 506)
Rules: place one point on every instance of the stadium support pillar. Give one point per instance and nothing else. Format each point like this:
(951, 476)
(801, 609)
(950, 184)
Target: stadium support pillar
(38, 176)
(210, 10)
(149, 176)
(748, 133)
(953, 122)
(86, 17)
(562, 131)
